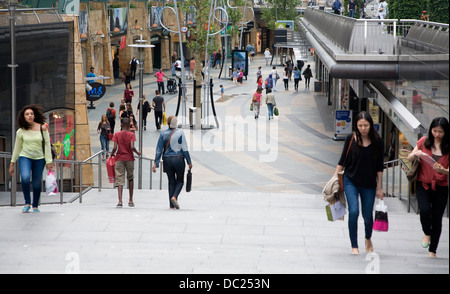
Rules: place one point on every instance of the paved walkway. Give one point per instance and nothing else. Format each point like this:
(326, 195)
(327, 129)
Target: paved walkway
(248, 212)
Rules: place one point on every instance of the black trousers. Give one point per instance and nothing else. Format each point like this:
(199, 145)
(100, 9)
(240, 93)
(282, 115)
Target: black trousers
(161, 87)
(158, 119)
(432, 207)
(174, 167)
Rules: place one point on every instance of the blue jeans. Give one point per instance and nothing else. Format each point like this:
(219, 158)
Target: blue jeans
(31, 171)
(270, 108)
(367, 201)
(351, 13)
(105, 143)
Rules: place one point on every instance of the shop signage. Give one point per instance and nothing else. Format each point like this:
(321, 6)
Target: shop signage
(97, 91)
(343, 122)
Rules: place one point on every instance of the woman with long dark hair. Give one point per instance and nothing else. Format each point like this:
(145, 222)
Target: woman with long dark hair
(432, 181)
(29, 152)
(363, 176)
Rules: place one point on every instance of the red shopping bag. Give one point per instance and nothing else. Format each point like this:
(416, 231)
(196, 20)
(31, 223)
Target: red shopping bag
(110, 163)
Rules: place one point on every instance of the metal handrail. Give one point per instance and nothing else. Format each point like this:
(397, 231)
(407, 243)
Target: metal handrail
(58, 165)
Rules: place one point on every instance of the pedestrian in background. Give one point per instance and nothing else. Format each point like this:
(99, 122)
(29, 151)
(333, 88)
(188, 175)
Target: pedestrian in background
(32, 151)
(160, 80)
(337, 7)
(126, 78)
(104, 128)
(268, 83)
(91, 74)
(116, 66)
(111, 116)
(128, 94)
(351, 8)
(133, 66)
(267, 56)
(145, 111)
(270, 101)
(159, 107)
(256, 100)
(275, 77)
(297, 77)
(363, 176)
(286, 78)
(173, 149)
(307, 74)
(123, 151)
(432, 181)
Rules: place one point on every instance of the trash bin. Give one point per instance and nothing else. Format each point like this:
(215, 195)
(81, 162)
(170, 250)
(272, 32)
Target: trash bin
(192, 116)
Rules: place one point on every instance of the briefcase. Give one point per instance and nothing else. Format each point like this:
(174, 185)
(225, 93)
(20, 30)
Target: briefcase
(189, 181)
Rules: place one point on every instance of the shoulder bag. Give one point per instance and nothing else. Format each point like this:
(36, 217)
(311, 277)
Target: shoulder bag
(167, 146)
(52, 149)
(341, 174)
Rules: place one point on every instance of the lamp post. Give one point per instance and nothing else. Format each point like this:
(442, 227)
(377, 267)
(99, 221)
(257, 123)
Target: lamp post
(183, 76)
(141, 45)
(13, 66)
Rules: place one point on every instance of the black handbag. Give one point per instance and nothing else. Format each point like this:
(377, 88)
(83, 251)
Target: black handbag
(189, 181)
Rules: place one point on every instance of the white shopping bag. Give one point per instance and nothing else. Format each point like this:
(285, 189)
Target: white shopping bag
(335, 211)
(51, 188)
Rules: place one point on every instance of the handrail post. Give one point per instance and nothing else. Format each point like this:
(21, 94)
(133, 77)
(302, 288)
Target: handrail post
(151, 174)
(80, 193)
(365, 37)
(99, 173)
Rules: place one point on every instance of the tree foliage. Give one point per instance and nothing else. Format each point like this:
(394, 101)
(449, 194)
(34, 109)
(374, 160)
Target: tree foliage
(280, 10)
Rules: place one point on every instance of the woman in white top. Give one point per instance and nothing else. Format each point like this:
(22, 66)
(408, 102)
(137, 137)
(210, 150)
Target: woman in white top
(382, 9)
(267, 55)
(274, 78)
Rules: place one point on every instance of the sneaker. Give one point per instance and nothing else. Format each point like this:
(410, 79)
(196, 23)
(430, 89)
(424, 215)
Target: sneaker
(36, 209)
(26, 208)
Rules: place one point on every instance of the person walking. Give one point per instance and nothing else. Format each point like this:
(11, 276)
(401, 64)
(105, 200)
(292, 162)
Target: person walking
(173, 149)
(145, 111)
(32, 152)
(111, 116)
(286, 78)
(116, 66)
(159, 106)
(307, 74)
(271, 103)
(352, 6)
(192, 66)
(363, 176)
(382, 9)
(432, 181)
(160, 80)
(123, 151)
(269, 83)
(297, 78)
(126, 78)
(128, 94)
(337, 7)
(267, 56)
(133, 66)
(256, 100)
(104, 128)
(275, 77)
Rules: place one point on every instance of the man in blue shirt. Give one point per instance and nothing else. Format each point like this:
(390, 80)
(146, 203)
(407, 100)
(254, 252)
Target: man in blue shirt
(91, 74)
(172, 147)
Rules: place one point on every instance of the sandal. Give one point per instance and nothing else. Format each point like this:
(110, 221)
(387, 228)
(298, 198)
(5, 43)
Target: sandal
(131, 204)
(119, 205)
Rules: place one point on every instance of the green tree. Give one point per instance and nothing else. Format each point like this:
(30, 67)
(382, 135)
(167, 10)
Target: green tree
(438, 10)
(280, 10)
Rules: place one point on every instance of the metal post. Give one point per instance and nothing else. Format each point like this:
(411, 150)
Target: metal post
(141, 46)
(13, 66)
